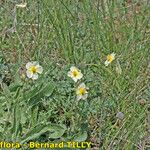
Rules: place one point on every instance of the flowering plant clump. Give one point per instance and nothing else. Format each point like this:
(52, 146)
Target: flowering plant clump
(109, 59)
(75, 74)
(33, 69)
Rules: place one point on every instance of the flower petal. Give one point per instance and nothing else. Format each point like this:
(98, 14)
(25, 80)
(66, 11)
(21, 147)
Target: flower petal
(82, 85)
(28, 65)
(29, 74)
(74, 79)
(113, 55)
(107, 63)
(35, 63)
(73, 68)
(79, 76)
(69, 74)
(84, 96)
(39, 69)
(35, 76)
(79, 97)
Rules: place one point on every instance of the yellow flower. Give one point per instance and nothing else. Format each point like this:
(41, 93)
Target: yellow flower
(109, 59)
(75, 74)
(33, 68)
(82, 92)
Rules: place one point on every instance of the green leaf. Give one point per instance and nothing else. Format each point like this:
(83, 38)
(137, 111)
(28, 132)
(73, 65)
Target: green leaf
(44, 92)
(6, 90)
(23, 118)
(16, 121)
(80, 137)
(56, 131)
(1, 129)
(14, 86)
(48, 89)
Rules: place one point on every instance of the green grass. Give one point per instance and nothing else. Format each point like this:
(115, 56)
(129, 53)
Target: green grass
(60, 34)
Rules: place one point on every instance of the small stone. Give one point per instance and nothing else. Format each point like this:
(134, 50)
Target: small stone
(120, 115)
